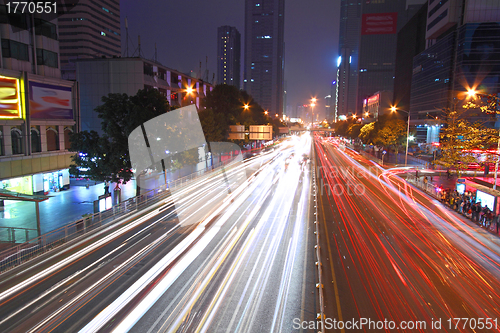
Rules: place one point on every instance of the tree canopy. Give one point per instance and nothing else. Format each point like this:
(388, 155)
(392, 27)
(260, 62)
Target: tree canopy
(225, 106)
(106, 157)
(458, 137)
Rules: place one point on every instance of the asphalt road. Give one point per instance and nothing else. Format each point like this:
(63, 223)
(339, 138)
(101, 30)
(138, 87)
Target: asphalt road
(236, 254)
(394, 258)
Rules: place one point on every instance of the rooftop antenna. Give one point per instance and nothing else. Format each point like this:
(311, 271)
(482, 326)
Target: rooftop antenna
(199, 73)
(126, 33)
(139, 47)
(206, 68)
(156, 54)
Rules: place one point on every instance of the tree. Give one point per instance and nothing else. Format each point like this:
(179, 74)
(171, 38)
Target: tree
(106, 157)
(224, 106)
(354, 130)
(459, 137)
(391, 132)
(367, 132)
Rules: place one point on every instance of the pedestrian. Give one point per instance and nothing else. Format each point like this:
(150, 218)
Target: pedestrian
(106, 187)
(448, 174)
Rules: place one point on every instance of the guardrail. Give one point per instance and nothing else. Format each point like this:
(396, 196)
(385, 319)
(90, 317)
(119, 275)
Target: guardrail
(321, 314)
(16, 234)
(427, 187)
(20, 253)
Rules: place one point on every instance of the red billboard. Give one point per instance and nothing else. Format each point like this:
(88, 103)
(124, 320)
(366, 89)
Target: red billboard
(379, 24)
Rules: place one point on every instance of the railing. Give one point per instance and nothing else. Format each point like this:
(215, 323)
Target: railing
(16, 234)
(33, 247)
(427, 187)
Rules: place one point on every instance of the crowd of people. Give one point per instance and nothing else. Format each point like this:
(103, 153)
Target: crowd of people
(467, 205)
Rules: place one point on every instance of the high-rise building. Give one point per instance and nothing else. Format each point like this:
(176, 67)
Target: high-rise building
(89, 29)
(228, 56)
(264, 53)
(380, 22)
(411, 41)
(347, 63)
(463, 51)
(38, 110)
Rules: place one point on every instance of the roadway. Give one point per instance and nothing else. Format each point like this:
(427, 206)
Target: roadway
(391, 253)
(232, 252)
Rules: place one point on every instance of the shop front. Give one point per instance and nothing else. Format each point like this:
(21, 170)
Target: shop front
(55, 181)
(41, 183)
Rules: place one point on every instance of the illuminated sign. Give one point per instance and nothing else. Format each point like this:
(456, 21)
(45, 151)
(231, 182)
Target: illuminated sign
(379, 24)
(10, 102)
(373, 99)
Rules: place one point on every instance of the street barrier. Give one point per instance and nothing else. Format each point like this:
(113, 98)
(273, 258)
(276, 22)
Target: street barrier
(22, 252)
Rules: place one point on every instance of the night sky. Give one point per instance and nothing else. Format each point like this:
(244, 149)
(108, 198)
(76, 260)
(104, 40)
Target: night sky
(185, 32)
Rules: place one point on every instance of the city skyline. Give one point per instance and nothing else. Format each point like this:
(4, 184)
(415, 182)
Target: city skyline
(311, 39)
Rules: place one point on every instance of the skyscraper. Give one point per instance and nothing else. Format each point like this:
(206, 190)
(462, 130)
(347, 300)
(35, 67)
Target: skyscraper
(380, 22)
(228, 56)
(264, 53)
(90, 29)
(347, 63)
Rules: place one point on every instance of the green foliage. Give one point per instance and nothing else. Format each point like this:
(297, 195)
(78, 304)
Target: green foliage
(225, 107)
(342, 127)
(390, 132)
(106, 157)
(366, 133)
(354, 130)
(459, 136)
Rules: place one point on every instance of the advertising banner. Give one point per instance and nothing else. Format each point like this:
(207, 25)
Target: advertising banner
(10, 106)
(50, 102)
(379, 24)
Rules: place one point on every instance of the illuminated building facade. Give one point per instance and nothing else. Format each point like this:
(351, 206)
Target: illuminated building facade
(38, 110)
(263, 75)
(100, 77)
(228, 56)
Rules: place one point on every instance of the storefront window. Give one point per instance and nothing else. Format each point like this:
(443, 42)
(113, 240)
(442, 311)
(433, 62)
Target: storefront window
(19, 185)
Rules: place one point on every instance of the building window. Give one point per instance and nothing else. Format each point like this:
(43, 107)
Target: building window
(46, 58)
(16, 50)
(17, 141)
(17, 20)
(36, 145)
(148, 69)
(67, 133)
(52, 139)
(45, 28)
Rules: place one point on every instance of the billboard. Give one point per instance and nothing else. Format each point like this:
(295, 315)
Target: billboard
(379, 24)
(261, 132)
(10, 102)
(50, 102)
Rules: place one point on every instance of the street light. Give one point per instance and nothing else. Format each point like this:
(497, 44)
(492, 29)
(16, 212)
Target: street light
(493, 102)
(394, 109)
(246, 107)
(313, 103)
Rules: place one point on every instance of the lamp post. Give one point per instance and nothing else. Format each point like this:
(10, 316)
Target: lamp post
(394, 109)
(492, 107)
(313, 103)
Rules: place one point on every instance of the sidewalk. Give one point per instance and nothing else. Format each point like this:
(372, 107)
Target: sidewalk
(63, 207)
